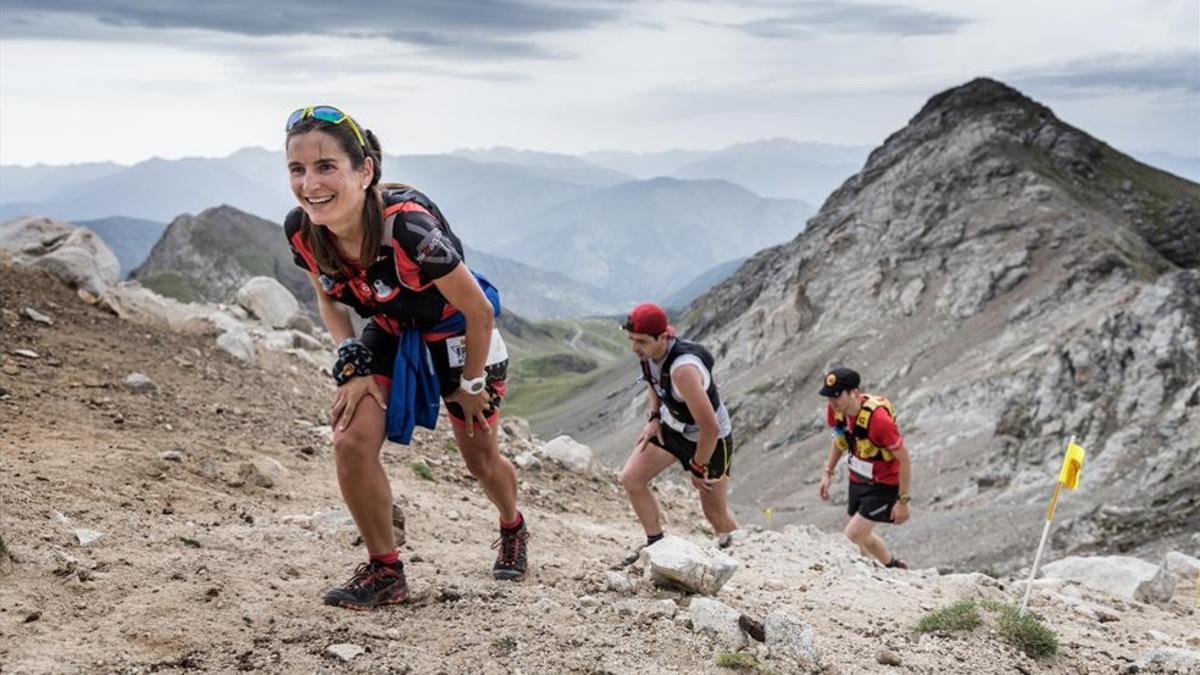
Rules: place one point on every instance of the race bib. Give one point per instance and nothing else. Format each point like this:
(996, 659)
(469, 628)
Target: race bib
(862, 467)
(456, 350)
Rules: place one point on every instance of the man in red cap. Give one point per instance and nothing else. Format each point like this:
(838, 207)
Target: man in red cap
(864, 427)
(685, 422)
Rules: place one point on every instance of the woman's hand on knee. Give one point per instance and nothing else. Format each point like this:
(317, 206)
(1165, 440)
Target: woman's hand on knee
(349, 395)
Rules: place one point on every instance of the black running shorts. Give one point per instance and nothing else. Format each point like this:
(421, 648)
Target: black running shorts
(383, 346)
(873, 501)
(684, 450)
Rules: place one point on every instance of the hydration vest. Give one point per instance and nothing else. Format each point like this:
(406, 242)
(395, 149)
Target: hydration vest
(677, 408)
(391, 289)
(859, 442)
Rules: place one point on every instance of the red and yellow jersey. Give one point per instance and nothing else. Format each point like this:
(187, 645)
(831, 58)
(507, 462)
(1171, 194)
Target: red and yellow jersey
(871, 437)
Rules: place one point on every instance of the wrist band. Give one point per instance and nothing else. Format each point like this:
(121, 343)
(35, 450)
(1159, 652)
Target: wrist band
(698, 470)
(354, 359)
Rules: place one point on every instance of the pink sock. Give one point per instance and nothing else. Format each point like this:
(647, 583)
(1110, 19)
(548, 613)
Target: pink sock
(386, 558)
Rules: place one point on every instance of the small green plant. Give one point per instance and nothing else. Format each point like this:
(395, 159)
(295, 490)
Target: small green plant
(451, 446)
(737, 661)
(422, 469)
(1026, 633)
(962, 615)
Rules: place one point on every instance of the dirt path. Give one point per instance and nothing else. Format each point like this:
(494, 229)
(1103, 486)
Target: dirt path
(203, 565)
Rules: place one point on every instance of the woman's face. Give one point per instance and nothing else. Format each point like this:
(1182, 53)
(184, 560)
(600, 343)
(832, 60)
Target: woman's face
(329, 189)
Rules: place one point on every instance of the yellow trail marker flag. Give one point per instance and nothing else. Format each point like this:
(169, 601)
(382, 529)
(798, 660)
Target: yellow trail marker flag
(1072, 467)
(1068, 477)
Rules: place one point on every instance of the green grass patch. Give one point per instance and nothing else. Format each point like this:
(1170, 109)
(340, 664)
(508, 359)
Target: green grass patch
(962, 615)
(1026, 633)
(451, 446)
(174, 285)
(737, 661)
(422, 469)
(551, 365)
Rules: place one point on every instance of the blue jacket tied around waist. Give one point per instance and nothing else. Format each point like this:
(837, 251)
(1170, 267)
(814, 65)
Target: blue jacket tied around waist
(416, 392)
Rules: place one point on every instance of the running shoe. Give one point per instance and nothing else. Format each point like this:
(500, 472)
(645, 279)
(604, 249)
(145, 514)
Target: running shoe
(373, 584)
(897, 564)
(512, 558)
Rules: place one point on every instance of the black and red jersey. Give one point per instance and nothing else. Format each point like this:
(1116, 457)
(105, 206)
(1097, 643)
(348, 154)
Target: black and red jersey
(397, 289)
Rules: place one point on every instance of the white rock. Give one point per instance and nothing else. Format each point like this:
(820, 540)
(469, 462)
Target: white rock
(140, 383)
(279, 340)
(73, 254)
(269, 300)
(588, 601)
(171, 456)
(678, 561)
(1122, 576)
(87, 537)
(308, 342)
(566, 451)
(26, 353)
(1187, 660)
(1183, 565)
(527, 461)
(37, 317)
(1157, 636)
(718, 621)
(617, 582)
(660, 609)
(791, 637)
(344, 650)
(238, 344)
(264, 472)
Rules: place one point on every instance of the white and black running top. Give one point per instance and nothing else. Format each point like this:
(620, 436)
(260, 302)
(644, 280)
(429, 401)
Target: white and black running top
(673, 408)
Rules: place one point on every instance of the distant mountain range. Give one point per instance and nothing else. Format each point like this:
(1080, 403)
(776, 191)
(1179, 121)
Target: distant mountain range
(584, 231)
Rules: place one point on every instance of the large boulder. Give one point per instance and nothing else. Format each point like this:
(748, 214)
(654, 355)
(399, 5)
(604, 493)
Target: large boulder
(571, 454)
(1183, 565)
(268, 300)
(1122, 576)
(679, 562)
(74, 254)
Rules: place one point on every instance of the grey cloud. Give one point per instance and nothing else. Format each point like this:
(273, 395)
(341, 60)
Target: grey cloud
(807, 19)
(1166, 71)
(472, 28)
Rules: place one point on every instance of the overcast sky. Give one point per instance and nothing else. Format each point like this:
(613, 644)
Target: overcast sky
(125, 80)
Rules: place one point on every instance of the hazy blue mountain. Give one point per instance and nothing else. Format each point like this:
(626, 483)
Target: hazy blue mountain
(547, 165)
(645, 165)
(780, 167)
(160, 189)
(130, 238)
(37, 182)
(536, 294)
(683, 297)
(650, 238)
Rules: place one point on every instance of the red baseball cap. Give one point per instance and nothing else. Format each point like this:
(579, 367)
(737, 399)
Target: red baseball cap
(648, 319)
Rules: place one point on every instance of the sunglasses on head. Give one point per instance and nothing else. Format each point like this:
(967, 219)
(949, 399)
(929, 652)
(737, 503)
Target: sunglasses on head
(325, 113)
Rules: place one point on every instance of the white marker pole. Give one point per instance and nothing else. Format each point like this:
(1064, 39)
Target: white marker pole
(1058, 486)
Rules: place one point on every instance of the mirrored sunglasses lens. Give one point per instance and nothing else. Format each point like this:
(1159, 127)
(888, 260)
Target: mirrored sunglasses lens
(294, 119)
(327, 114)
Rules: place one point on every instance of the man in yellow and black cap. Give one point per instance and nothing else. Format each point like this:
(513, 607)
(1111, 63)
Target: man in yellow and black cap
(864, 426)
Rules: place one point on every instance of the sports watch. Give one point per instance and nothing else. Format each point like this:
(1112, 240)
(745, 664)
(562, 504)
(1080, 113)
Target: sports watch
(904, 498)
(474, 385)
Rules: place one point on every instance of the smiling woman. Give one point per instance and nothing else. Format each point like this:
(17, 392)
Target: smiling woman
(388, 252)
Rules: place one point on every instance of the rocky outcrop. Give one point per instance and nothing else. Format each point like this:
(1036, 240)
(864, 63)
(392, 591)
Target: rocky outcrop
(1007, 280)
(74, 254)
(208, 256)
(1122, 576)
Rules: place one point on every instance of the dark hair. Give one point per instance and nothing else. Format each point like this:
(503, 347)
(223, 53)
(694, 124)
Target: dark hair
(315, 235)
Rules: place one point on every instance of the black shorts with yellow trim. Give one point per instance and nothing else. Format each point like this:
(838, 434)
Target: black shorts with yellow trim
(684, 450)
